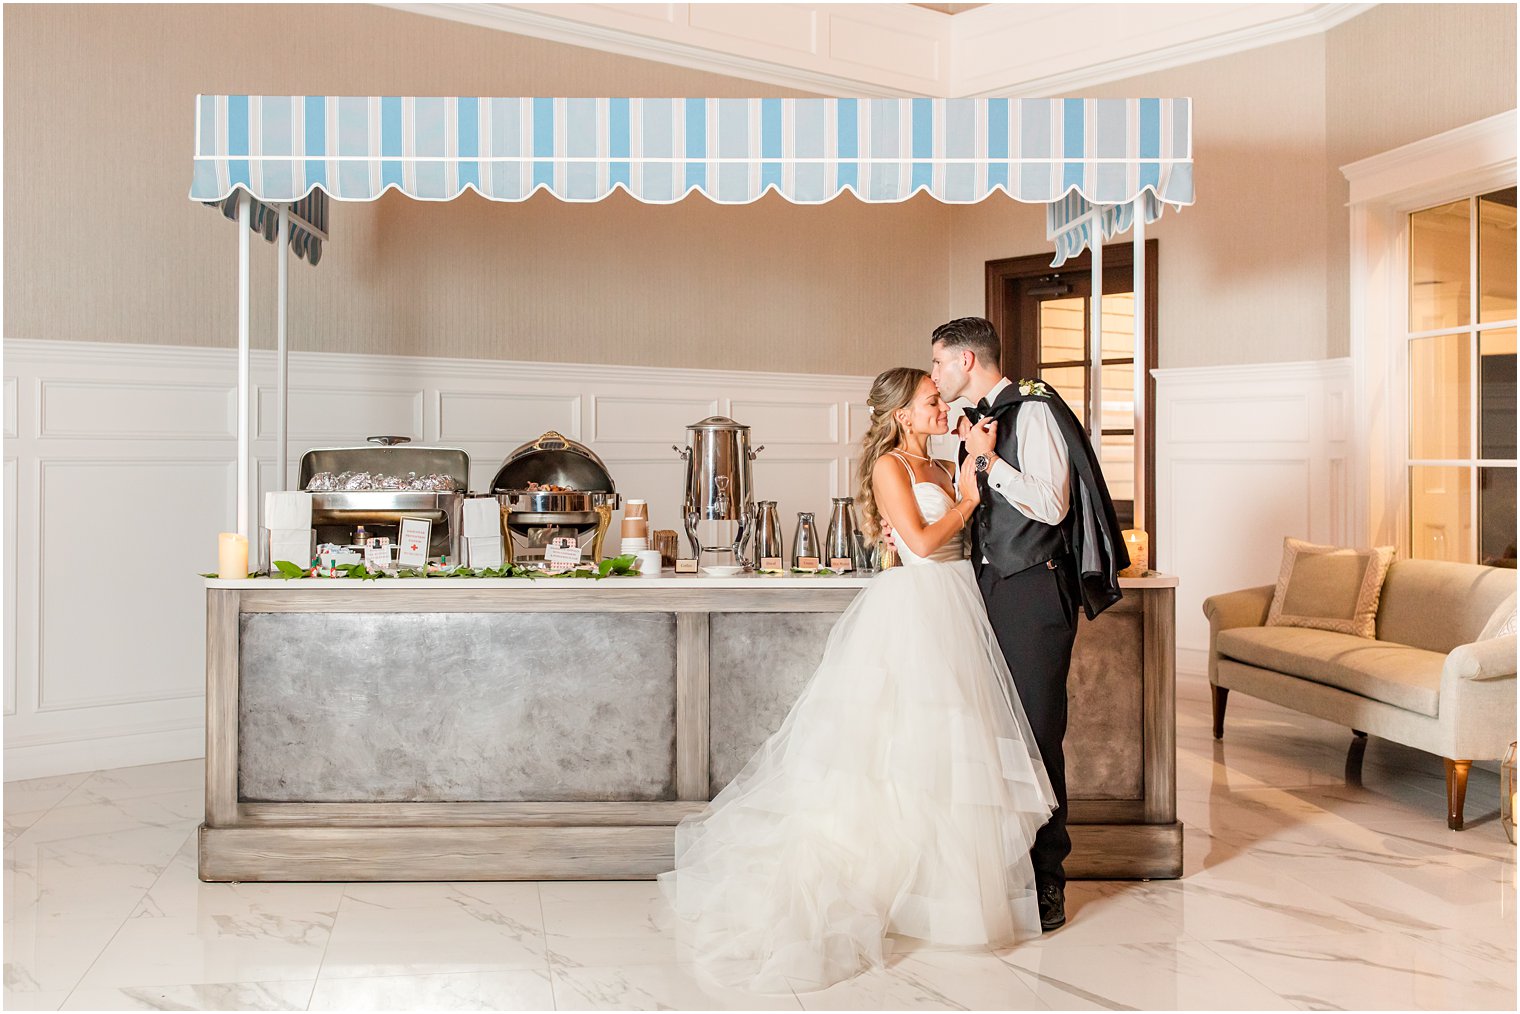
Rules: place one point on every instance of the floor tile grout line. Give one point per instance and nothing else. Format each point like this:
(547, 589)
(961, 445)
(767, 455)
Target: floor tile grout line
(327, 944)
(1288, 1003)
(543, 932)
(123, 924)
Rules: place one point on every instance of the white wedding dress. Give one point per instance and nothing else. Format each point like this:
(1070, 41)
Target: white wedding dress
(898, 800)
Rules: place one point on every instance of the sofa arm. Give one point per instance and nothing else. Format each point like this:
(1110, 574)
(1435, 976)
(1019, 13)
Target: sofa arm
(1247, 608)
(1477, 709)
(1493, 659)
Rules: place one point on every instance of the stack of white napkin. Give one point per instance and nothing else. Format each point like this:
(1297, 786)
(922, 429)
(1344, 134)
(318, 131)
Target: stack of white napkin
(287, 516)
(481, 542)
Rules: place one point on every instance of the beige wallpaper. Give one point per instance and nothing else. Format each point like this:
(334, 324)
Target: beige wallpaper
(102, 244)
(1399, 73)
(1241, 272)
(1255, 272)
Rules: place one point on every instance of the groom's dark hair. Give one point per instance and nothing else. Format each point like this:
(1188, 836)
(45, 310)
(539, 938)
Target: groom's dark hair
(974, 333)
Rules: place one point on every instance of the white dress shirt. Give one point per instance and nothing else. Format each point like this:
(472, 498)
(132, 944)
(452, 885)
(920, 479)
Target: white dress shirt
(1041, 487)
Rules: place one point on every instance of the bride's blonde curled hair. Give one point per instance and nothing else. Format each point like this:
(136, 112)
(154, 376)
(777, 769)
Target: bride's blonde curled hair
(891, 391)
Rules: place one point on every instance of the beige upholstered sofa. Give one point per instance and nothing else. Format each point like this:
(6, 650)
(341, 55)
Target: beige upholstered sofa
(1427, 681)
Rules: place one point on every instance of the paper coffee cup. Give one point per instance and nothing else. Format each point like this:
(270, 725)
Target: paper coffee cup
(635, 528)
(636, 509)
(649, 563)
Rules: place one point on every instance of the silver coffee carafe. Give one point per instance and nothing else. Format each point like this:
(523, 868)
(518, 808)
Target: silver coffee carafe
(767, 532)
(841, 542)
(805, 543)
(719, 504)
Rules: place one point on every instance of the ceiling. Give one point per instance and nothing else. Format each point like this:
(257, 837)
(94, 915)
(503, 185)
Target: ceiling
(895, 49)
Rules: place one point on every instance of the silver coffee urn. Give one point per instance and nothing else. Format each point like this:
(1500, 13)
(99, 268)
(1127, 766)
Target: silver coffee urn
(719, 505)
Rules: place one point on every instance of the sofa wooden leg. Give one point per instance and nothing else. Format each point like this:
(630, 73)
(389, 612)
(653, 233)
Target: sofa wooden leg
(1456, 790)
(1354, 758)
(1220, 695)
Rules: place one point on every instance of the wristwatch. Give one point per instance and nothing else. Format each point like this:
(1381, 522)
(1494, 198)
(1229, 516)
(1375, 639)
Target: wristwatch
(982, 463)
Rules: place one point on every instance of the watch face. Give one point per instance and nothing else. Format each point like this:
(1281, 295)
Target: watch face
(981, 462)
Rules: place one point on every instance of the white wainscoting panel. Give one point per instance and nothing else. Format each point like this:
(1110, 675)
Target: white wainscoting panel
(120, 469)
(1245, 456)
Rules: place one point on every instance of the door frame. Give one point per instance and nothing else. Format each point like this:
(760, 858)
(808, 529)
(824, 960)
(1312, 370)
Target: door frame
(1002, 309)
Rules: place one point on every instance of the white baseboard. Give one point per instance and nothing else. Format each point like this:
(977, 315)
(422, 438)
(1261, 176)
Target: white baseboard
(108, 751)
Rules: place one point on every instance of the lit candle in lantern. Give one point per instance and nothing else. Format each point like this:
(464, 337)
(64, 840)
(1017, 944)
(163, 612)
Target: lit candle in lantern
(1139, 545)
(232, 556)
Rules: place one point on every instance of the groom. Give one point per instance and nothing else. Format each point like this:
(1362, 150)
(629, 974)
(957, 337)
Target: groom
(1044, 541)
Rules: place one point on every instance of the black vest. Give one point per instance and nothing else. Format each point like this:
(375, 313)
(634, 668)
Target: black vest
(1010, 539)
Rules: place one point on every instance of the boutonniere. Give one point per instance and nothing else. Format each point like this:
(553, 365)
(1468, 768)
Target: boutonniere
(1034, 387)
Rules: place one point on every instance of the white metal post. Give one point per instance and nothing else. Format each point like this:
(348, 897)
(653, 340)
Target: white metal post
(1139, 288)
(1095, 328)
(282, 352)
(245, 212)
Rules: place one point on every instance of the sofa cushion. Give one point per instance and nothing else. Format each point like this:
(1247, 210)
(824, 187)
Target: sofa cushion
(1396, 674)
(1437, 605)
(1326, 588)
(1502, 622)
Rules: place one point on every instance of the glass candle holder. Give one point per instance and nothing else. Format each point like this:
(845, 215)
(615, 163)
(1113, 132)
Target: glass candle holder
(1507, 793)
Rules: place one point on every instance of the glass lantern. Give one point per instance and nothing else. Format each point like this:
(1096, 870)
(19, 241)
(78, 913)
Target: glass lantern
(1507, 793)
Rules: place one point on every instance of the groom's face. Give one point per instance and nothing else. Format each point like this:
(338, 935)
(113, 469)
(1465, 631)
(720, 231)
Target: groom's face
(950, 372)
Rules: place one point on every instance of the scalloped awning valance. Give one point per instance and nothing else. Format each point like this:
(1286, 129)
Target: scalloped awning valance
(1073, 155)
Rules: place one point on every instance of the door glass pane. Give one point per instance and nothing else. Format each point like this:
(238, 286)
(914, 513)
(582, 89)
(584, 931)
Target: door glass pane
(1118, 396)
(1496, 516)
(1061, 329)
(1438, 267)
(1440, 512)
(1496, 256)
(1116, 455)
(1440, 397)
(1070, 383)
(1118, 325)
(1496, 394)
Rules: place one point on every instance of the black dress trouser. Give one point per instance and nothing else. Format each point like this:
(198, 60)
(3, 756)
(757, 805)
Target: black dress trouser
(1034, 615)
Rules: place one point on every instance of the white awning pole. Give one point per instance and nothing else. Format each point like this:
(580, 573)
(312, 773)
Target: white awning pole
(245, 211)
(282, 353)
(1139, 272)
(1095, 352)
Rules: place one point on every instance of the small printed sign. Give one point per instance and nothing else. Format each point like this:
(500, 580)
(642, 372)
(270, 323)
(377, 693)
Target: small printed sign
(413, 542)
(686, 566)
(841, 564)
(808, 563)
(377, 555)
(771, 563)
(562, 554)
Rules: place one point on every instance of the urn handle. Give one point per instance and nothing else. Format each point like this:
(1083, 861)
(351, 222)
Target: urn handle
(684, 452)
(755, 453)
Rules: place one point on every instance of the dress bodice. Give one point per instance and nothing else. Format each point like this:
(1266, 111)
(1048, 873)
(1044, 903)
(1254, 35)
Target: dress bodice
(933, 502)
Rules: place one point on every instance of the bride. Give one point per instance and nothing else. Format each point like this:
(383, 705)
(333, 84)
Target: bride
(898, 801)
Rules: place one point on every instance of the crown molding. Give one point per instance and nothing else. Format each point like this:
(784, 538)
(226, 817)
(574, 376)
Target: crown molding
(827, 43)
(1321, 18)
(557, 28)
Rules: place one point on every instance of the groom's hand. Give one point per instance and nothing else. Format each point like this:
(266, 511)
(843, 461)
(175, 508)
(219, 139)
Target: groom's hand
(982, 438)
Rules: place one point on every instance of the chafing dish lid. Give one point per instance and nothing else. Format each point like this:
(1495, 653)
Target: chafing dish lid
(393, 459)
(553, 459)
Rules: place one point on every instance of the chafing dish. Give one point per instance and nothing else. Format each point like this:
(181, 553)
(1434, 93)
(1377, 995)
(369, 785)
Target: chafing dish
(335, 514)
(550, 488)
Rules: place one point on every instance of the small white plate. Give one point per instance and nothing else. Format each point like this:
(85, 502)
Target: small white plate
(721, 571)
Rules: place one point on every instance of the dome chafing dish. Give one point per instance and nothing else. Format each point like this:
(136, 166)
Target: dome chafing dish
(550, 488)
(336, 513)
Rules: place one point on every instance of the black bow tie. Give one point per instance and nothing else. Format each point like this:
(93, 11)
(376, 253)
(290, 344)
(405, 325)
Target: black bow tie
(979, 412)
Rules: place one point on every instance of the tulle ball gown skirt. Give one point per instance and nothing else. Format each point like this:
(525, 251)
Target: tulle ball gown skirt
(897, 802)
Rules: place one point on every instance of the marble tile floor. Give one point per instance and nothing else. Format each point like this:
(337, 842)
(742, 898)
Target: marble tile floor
(1300, 892)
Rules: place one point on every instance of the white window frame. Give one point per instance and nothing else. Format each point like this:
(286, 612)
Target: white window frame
(1385, 189)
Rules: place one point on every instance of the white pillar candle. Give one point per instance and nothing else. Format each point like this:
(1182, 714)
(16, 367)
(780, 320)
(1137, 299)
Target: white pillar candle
(232, 556)
(1139, 545)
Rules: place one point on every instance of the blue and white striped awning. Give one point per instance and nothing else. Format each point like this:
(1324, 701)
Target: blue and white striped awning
(1071, 154)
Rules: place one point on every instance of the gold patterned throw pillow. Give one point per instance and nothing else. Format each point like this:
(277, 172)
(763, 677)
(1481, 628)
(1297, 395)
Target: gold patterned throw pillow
(1329, 588)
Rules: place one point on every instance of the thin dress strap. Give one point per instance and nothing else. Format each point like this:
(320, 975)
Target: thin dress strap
(948, 474)
(912, 479)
